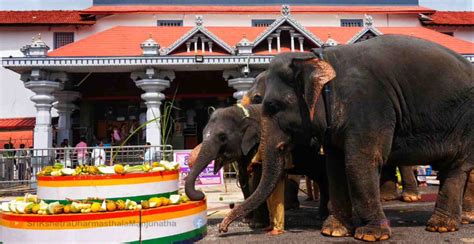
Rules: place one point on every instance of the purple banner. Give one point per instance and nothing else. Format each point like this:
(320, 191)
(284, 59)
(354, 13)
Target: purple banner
(207, 176)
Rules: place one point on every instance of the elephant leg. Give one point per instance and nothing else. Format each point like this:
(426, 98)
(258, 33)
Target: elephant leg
(244, 182)
(291, 192)
(261, 218)
(323, 199)
(339, 222)
(468, 201)
(388, 183)
(448, 208)
(410, 185)
(363, 169)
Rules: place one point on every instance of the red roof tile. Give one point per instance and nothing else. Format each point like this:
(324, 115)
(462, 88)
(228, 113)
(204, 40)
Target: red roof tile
(457, 45)
(126, 40)
(43, 18)
(110, 9)
(340, 34)
(17, 123)
(121, 41)
(450, 18)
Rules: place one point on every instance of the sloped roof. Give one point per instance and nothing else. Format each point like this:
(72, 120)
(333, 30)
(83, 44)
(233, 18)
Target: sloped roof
(17, 123)
(203, 30)
(43, 18)
(450, 18)
(455, 44)
(125, 40)
(263, 9)
(121, 41)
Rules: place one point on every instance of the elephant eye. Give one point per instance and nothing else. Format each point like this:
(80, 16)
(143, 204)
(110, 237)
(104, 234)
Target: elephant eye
(273, 107)
(222, 137)
(257, 99)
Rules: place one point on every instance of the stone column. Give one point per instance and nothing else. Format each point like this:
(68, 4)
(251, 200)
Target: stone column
(153, 84)
(65, 107)
(241, 80)
(242, 85)
(43, 99)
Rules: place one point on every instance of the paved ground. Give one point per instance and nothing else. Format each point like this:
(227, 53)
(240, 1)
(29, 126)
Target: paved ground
(303, 226)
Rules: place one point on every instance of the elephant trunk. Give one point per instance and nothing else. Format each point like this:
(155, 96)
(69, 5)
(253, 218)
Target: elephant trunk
(272, 171)
(205, 154)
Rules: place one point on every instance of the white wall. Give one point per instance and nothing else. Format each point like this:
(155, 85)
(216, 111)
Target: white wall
(14, 97)
(382, 20)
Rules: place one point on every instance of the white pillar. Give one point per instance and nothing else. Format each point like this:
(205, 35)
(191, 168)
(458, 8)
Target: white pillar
(43, 99)
(278, 41)
(188, 47)
(210, 46)
(242, 85)
(153, 98)
(301, 39)
(65, 107)
(269, 44)
(292, 42)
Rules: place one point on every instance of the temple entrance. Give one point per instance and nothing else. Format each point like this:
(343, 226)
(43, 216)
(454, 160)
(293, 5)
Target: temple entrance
(111, 108)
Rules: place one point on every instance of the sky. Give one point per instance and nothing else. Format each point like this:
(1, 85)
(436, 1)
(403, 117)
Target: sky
(448, 5)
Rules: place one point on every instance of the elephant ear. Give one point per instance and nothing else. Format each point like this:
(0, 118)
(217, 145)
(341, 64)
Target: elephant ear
(318, 71)
(251, 137)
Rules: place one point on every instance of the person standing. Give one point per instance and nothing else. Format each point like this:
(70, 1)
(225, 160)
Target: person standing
(21, 162)
(149, 153)
(98, 154)
(81, 151)
(9, 162)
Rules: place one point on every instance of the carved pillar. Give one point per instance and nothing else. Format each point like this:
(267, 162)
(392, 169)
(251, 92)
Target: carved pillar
(270, 44)
(241, 80)
(43, 84)
(65, 107)
(301, 40)
(153, 83)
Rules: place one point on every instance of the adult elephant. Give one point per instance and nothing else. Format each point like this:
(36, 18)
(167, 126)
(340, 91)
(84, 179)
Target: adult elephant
(388, 181)
(391, 100)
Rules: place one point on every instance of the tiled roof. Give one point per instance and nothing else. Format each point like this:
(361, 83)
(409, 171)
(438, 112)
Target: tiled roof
(43, 18)
(450, 18)
(120, 41)
(457, 45)
(125, 40)
(274, 9)
(17, 123)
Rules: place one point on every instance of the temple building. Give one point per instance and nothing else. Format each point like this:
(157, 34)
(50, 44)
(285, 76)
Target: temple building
(113, 67)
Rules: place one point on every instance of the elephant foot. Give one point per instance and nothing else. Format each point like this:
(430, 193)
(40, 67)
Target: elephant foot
(389, 192)
(409, 196)
(442, 223)
(374, 232)
(333, 227)
(258, 225)
(467, 217)
(389, 196)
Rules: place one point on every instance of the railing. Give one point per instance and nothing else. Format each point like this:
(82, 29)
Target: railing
(18, 167)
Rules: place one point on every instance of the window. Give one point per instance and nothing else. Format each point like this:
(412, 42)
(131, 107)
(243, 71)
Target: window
(169, 23)
(63, 38)
(352, 22)
(262, 22)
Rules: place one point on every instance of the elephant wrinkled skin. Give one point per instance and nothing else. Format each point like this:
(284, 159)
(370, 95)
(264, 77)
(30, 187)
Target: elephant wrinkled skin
(391, 100)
